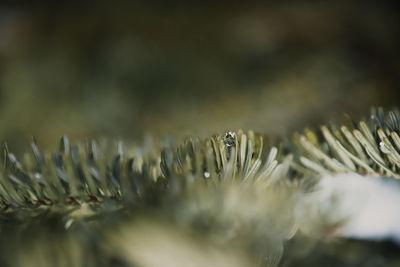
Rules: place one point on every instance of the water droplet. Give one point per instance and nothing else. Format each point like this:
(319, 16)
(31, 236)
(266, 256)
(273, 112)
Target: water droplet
(68, 224)
(384, 148)
(207, 174)
(229, 139)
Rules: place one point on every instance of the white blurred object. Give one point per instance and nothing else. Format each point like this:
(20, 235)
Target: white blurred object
(368, 206)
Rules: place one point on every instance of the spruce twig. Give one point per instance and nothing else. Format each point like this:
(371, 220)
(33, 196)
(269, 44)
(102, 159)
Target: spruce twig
(367, 150)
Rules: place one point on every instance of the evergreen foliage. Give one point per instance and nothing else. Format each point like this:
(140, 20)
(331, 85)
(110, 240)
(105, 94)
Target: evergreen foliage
(235, 192)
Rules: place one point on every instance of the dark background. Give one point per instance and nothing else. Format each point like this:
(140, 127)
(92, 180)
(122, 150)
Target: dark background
(172, 68)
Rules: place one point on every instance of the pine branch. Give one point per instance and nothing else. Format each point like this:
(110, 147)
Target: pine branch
(237, 190)
(370, 147)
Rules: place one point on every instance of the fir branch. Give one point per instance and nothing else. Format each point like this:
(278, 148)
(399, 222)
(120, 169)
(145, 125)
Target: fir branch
(370, 147)
(237, 188)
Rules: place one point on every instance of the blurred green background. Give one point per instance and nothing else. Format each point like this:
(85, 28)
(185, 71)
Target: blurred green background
(172, 68)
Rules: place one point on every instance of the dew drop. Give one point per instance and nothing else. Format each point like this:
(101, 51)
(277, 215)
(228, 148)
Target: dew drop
(229, 139)
(68, 224)
(384, 148)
